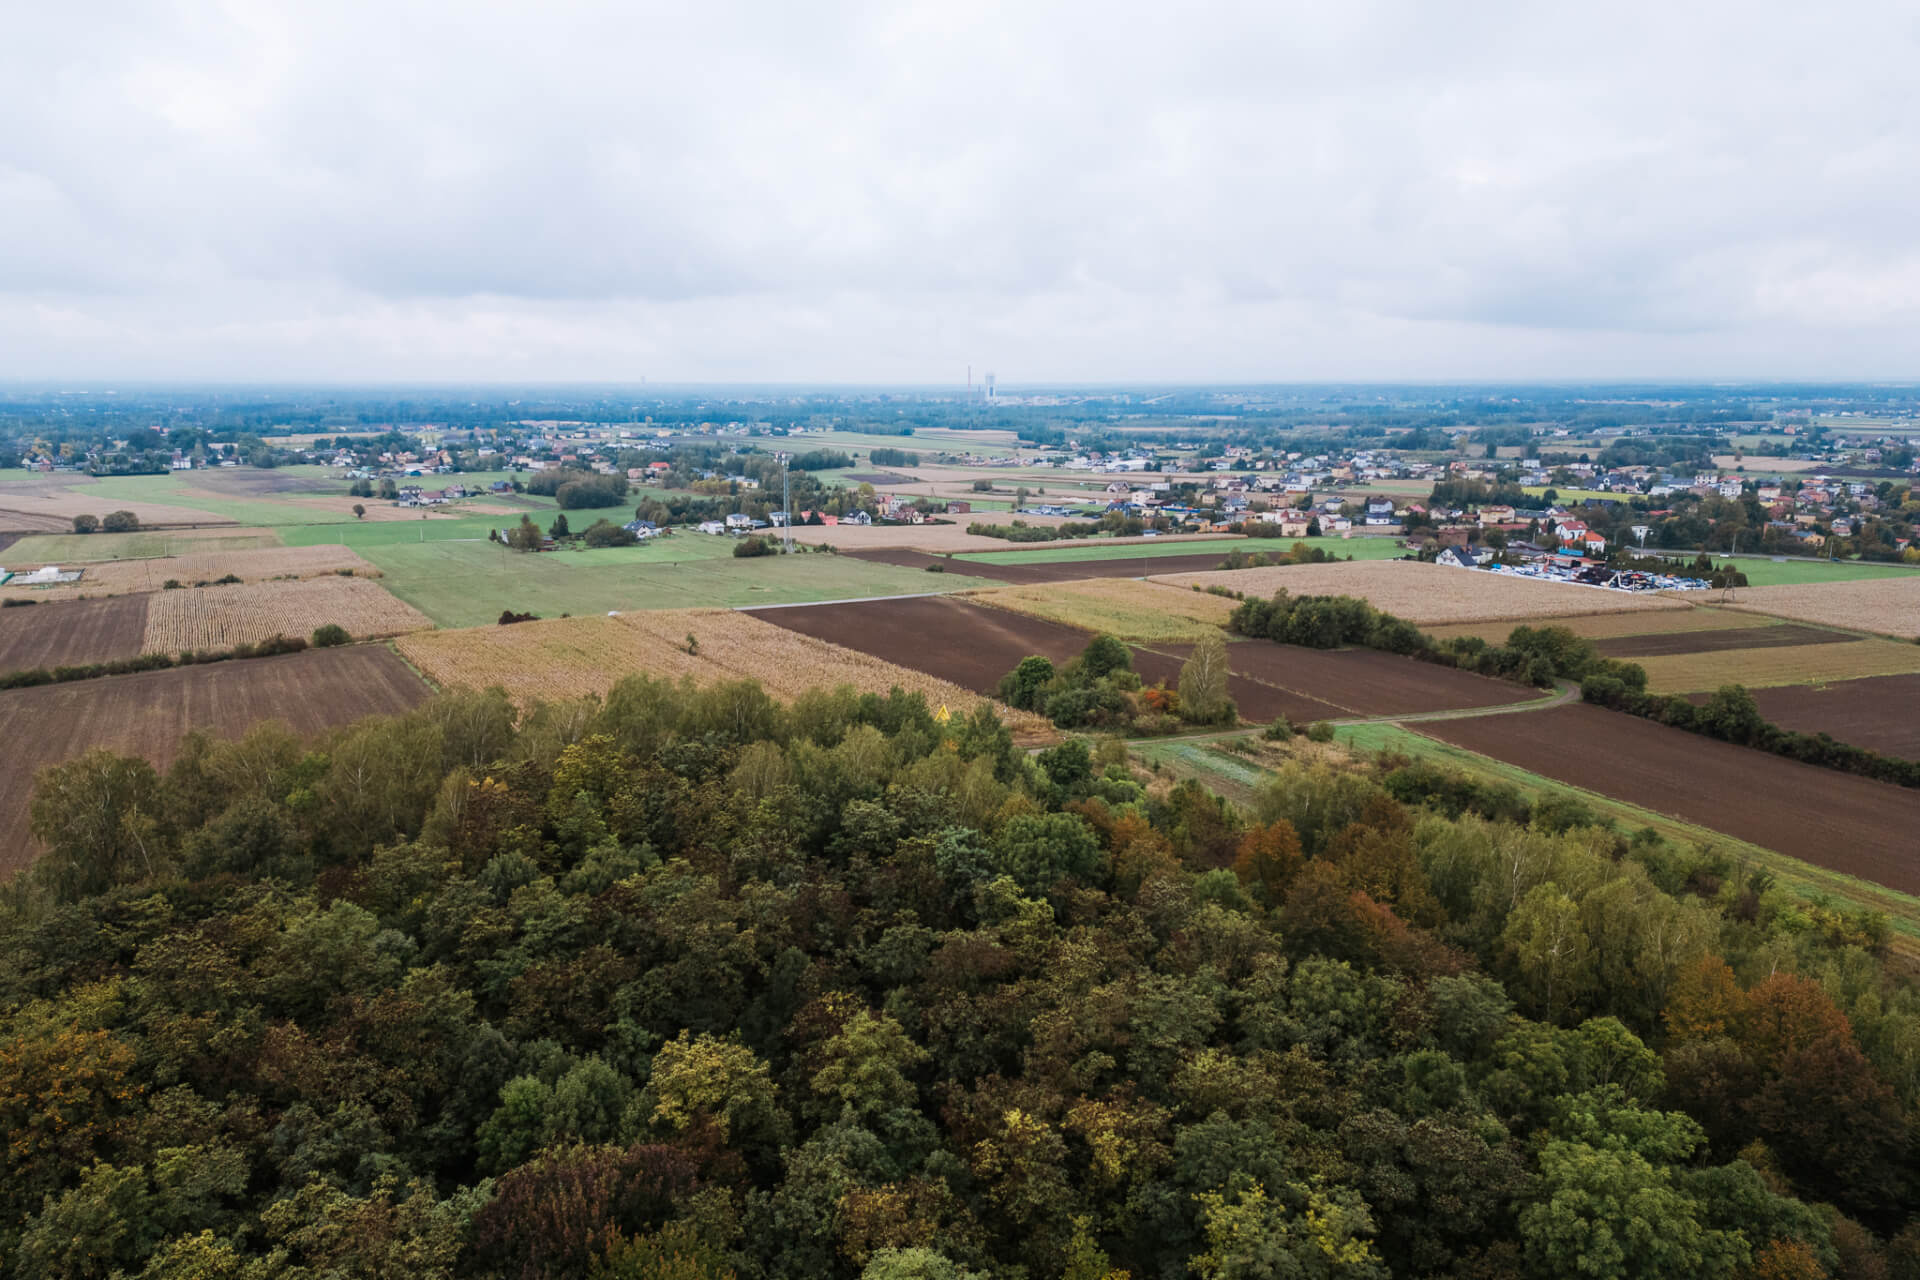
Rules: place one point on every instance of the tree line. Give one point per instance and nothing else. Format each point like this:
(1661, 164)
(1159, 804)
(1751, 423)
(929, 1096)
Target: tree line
(686, 982)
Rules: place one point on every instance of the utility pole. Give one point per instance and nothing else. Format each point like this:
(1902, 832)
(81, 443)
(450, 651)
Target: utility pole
(786, 505)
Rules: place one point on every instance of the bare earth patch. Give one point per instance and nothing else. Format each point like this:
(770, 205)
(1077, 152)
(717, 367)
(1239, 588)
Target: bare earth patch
(221, 617)
(1426, 593)
(571, 657)
(1890, 606)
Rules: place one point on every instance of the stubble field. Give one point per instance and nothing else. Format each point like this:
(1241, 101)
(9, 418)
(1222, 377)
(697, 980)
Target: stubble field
(571, 657)
(1760, 668)
(1146, 611)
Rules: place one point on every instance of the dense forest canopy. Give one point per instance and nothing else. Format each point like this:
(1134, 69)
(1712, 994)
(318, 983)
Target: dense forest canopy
(689, 983)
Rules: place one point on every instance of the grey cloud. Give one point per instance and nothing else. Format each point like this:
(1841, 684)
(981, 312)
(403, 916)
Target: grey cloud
(884, 191)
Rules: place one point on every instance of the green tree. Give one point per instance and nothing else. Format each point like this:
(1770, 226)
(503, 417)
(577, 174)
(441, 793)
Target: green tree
(98, 816)
(1252, 1237)
(524, 536)
(867, 1064)
(1024, 686)
(558, 529)
(1203, 683)
(1038, 849)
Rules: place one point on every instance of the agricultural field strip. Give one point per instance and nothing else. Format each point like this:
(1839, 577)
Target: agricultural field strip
(1885, 606)
(1880, 713)
(72, 632)
(1128, 609)
(1777, 636)
(221, 617)
(1811, 881)
(1425, 593)
(1851, 659)
(1604, 626)
(147, 715)
(1848, 824)
(572, 657)
(113, 577)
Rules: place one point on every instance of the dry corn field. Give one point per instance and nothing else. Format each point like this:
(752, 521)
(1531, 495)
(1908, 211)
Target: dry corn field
(1427, 593)
(570, 657)
(1890, 605)
(221, 617)
(1149, 611)
(119, 577)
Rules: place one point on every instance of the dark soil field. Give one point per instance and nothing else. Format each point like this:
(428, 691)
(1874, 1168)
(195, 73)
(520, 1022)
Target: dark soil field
(1365, 682)
(1880, 713)
(1659, 646)
(974, 646)
(147, 714)
(72, 632)
(1822, 816)
(1052, 571)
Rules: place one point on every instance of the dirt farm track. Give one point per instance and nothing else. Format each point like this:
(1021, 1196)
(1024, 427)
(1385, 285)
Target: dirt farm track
(147, 714)
(1822, 816)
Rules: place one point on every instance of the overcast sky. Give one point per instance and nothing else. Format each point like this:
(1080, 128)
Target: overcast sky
(818, 191)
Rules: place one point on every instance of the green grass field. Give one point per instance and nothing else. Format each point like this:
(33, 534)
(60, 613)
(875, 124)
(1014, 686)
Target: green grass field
(1574, 495)
(465, 584)
(1784, 573)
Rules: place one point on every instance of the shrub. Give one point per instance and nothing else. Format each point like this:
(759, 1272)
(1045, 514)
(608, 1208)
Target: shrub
(14, 603)
(508, 617)
(330, 635)
(1320, 731)
(605, 533)
(754, 546)
(120, 522)
(86, 524)
(1281, 730)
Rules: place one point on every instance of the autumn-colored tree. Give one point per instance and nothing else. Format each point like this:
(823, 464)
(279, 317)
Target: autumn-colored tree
(1266, 859)
(1706, 1001)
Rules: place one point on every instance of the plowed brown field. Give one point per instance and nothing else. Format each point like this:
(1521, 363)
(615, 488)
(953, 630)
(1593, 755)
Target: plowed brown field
(72, 632)
(1880, 713)
(1821, 816)
(1365, 682)
(1778, 637)
(147, 714)
(973, 647)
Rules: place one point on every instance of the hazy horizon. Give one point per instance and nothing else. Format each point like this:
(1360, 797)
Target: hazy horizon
(853, 196)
